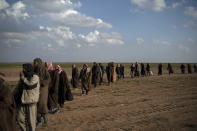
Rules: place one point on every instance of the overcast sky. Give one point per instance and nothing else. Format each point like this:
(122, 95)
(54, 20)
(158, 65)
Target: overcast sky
(98, 30)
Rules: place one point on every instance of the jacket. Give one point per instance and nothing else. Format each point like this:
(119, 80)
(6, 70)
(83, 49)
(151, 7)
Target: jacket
(31, 89)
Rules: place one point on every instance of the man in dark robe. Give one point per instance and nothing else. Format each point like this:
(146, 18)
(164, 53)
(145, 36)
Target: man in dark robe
(182, 67)
(195, 68)
(160, 69)
(148, 69)
(75, 76)
(118, 71)
(7, 107)
(169, 68)
(142, 69)
(42, 72)
(102, 71)
(28, 91)
(132, 69)
(85, 76)
(95, 74)
(136, 74)
(189, 68)
(53, 88)
(64, 87)
(121, 71)
(110, 72)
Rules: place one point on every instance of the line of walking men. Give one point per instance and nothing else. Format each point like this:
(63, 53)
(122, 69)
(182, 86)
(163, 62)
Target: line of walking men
(134, 69)
(43, 88)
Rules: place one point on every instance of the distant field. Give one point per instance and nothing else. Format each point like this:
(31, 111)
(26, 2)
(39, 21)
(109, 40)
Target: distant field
(12, 69)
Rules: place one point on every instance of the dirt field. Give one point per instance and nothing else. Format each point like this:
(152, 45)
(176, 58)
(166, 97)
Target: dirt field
(145, 103)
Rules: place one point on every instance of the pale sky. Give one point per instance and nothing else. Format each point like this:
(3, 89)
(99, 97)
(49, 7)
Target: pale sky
(98, 30)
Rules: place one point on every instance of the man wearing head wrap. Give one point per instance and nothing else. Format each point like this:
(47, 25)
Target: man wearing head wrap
(102, 71)
(195, 68)
(75, 76)
(182, 67)
(85, 76)
(143, 73)
(118, 71)
(121, 71)
(148, 69)
(114, 75)
(189, 68)
(160, 69)
(49, 66)
(136, 74)
(169, 68)
(7, 107)
(132, 69)
(27, 96)
(64, 92)
(95, 74)
(53, 88)
(44, 76)
(110, 72)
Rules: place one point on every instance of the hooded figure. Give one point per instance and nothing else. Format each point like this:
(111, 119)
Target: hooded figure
(28, 96)
(118, 71)
(109, 72)
(7, 107)
(148, 69)
(169, 68)
(137, 74)
(182, 67)
(102, 71)
(132, 69)
(189, 68)
(53, 88)
(195, 68)
(160, 69)
(143, 73)
(95, 74)
(75, 76)
(121, 71)
(44, 76)
(85, 76)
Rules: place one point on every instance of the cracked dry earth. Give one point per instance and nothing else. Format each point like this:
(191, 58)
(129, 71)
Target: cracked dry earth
(146, 103)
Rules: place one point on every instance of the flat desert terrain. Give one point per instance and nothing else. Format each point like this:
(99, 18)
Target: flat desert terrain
(163, 103)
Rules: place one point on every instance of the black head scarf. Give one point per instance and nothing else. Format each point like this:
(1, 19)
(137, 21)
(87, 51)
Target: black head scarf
(29, 71)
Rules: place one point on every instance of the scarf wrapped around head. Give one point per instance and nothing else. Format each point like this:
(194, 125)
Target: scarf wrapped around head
(49, 66)
(73, 65)
(29, 70)
(58, 68)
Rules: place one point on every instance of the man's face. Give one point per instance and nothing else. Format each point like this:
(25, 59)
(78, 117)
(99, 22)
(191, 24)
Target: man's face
(35, 64)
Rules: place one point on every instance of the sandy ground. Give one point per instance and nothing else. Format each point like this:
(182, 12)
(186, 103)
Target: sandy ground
(149, 103)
